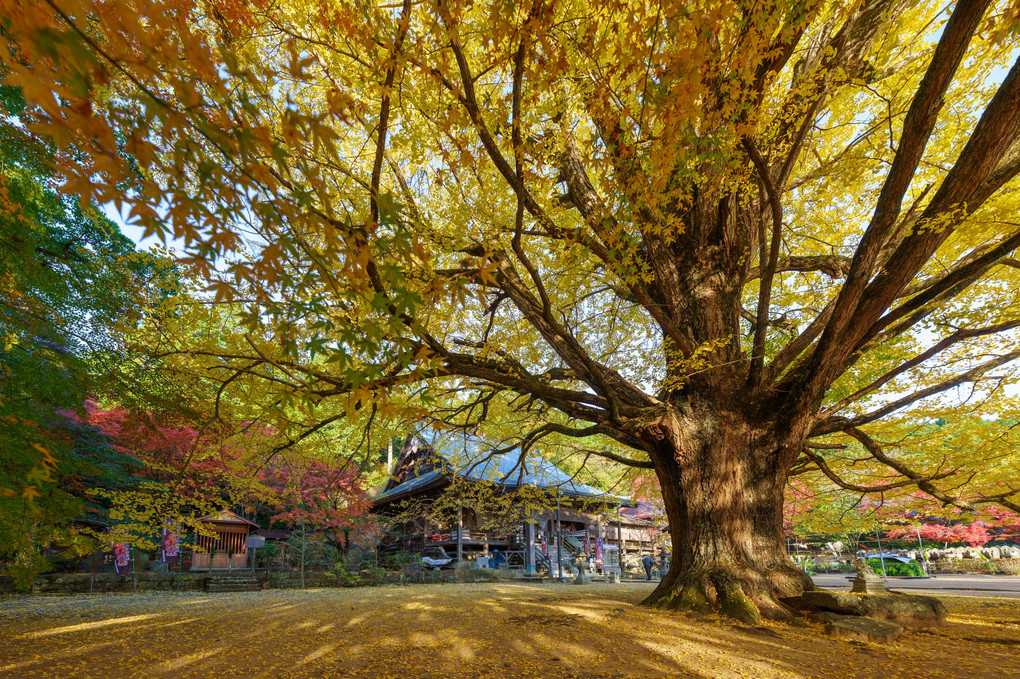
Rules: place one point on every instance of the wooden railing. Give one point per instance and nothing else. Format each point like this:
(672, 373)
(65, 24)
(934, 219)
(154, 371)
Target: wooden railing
(477, 536)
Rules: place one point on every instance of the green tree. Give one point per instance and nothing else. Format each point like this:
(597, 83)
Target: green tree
(70, 283)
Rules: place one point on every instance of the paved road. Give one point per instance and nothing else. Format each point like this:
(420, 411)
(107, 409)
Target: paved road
(965, 585)
(959, 585)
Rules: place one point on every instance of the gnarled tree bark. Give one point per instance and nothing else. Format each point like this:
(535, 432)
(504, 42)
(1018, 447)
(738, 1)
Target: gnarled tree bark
(723, 480)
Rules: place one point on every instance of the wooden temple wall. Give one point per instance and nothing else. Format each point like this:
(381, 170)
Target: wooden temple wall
(228, 539)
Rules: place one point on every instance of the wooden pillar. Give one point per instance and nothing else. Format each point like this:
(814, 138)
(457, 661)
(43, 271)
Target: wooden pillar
(460, 533)
(598, 534)
(559, 537)
(529, 544)
(619, 538)
(485, 536)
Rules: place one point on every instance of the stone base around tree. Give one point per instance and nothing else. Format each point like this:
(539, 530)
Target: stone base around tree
(825, 617)
(907, 610)
(863, 629)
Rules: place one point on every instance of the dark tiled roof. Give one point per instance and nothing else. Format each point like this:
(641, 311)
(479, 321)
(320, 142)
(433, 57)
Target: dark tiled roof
(272, 534)
(472, 458)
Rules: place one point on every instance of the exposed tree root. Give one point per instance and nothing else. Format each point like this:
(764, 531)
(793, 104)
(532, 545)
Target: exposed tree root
(748, 596)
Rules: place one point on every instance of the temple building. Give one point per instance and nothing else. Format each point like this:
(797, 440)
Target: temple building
(227, 549)
(552, 509)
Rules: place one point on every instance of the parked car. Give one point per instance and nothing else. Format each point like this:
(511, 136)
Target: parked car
(436, 557)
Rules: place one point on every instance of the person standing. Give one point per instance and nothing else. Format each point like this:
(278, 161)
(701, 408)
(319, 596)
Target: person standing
(647, 562)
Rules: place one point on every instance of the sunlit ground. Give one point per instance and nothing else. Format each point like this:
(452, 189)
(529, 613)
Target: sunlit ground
(473, 630)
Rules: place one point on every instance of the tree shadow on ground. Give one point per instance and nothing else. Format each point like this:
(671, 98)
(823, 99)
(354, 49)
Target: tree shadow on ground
(498, 629)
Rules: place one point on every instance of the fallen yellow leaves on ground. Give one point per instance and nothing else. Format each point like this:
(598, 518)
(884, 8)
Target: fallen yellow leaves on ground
(468, 630)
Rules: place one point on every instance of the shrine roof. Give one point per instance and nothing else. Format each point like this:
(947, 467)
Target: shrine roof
(430, 458)
(226, 516)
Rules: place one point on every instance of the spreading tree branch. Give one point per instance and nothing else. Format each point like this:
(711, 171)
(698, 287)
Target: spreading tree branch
(917, 129)
(834, 424)
(768, 268)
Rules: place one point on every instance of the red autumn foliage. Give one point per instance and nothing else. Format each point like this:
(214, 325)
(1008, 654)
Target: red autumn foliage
(190, 461)
(975, 534)
(994, 523)
(324, 496)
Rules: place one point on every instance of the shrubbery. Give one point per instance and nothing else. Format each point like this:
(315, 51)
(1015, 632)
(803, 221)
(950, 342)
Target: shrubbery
(343, 577)
(893, 567)
(397, 562)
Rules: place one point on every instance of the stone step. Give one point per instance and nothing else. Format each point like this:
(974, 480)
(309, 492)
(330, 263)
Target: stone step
(249, 578)
(252, 581)
(233, 580)
(233, 583)
(233, 588)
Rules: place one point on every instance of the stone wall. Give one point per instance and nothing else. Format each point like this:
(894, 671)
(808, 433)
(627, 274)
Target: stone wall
(994, 552)
(292, 580)
(98, 583)
(978, 566)
(78, 583)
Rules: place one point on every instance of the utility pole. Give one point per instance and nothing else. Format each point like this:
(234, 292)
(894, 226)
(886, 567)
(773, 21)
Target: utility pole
(924, 557)
(880, 557)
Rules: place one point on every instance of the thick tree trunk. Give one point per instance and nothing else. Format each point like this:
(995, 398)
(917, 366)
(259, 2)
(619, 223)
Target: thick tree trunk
(722, 482)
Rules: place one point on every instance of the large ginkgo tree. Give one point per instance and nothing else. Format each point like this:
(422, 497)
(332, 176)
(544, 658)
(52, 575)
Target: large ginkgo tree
(738, 239)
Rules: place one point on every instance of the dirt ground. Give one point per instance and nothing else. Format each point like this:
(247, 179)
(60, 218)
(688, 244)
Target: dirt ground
(471, 630)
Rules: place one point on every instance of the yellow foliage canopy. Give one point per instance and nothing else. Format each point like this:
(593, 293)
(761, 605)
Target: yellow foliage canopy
(653, 219)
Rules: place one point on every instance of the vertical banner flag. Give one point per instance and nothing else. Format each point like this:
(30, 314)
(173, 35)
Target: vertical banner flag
(121, 557)
(171, 544)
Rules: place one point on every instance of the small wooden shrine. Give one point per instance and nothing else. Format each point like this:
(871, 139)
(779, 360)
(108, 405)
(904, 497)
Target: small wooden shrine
(227, 549)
